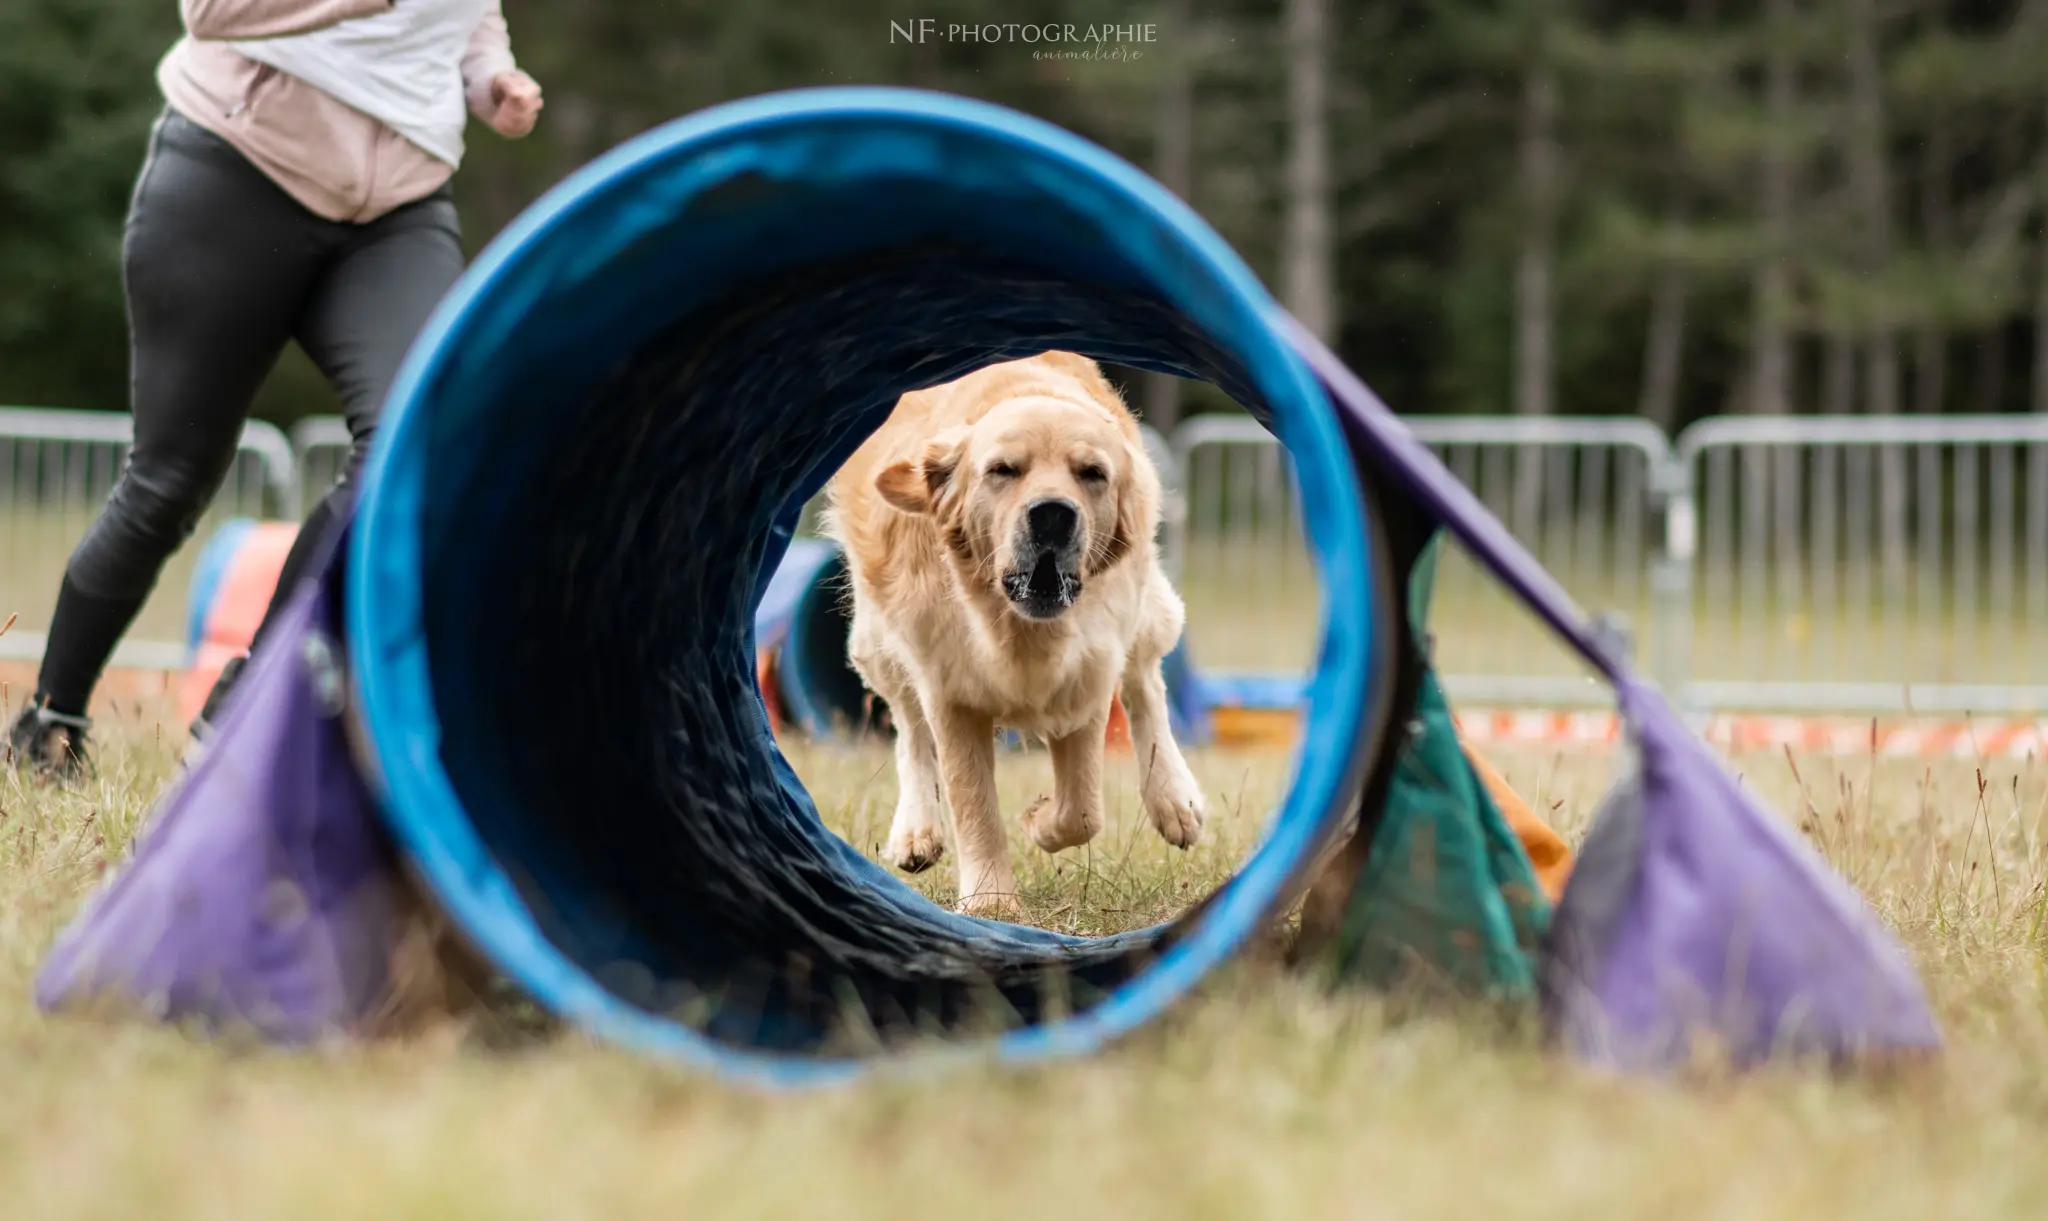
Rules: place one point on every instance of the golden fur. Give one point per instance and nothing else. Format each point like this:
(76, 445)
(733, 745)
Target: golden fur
(931, 511)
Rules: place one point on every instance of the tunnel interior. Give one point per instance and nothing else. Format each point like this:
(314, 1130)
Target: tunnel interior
(598, 452)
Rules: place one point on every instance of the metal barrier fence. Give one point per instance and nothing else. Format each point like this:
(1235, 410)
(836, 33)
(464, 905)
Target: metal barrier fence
(320, 448)
(1860, 564)
(56, 469)
(1866, 563)
(1584, 494)
(1790, 563)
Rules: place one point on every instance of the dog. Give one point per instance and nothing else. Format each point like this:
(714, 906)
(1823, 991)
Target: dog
(999, 533)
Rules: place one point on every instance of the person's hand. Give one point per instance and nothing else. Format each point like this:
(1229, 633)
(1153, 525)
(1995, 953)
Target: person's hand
(516, 97)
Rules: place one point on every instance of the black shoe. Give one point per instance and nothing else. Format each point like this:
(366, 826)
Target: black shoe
(50, 742)
(217, 698)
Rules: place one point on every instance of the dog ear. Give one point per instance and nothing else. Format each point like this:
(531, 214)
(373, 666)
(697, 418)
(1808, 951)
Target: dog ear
(1137, 512)
(902, 488)
(918, 487)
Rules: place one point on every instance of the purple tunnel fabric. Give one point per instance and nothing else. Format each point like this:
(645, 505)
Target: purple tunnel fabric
(262, 894)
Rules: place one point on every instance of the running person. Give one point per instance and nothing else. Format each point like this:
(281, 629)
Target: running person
(296, 187)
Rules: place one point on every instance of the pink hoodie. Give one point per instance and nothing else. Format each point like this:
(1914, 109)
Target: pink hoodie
(337, 161)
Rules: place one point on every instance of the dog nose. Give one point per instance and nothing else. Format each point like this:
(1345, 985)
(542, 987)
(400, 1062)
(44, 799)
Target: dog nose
(1052, 522)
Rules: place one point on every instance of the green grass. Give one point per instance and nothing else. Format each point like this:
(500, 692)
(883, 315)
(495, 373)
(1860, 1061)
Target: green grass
(1127, 878)
(1258, 1098)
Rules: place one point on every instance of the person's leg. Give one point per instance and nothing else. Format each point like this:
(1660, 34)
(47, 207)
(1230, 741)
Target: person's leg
(368, 305)
(215, 263)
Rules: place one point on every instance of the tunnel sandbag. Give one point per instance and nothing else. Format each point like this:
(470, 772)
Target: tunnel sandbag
(595, 459)
(264, 895)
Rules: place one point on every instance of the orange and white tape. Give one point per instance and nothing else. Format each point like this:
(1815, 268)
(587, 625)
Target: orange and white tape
(1915, 739)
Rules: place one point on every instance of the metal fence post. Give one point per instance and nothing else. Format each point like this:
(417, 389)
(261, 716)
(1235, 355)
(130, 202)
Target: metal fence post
(1671, 580)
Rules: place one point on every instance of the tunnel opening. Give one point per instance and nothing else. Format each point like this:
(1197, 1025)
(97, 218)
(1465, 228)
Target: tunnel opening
(601, 449)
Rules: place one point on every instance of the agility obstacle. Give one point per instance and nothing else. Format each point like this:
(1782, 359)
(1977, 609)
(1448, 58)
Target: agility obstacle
(524, 686)
(232, 584)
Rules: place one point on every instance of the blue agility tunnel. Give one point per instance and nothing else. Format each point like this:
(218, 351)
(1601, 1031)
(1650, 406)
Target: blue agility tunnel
(524, 686)
(602, 445)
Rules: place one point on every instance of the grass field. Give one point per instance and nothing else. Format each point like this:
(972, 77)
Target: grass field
(1259, 1098)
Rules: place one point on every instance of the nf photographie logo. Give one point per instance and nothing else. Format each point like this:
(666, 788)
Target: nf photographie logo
(1047, 41)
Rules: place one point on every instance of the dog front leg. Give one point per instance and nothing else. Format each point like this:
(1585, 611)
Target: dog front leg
(917, 834)
(1172, 798)
(1073, 814)
(967, 760)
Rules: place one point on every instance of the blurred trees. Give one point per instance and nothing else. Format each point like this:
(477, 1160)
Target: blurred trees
(1673, 207)
(77, 94)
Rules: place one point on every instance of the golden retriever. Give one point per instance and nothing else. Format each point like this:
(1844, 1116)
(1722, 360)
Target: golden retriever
(999, 533)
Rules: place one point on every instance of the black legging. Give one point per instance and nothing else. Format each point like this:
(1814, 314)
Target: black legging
(222, 268)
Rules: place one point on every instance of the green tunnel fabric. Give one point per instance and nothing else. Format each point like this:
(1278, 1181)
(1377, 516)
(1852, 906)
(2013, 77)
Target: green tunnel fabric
(1447, 893)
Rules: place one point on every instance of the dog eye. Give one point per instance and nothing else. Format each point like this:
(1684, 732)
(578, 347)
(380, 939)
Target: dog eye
(1002, 470)
(1091, 474)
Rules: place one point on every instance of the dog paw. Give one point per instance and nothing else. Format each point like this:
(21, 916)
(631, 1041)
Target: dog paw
(992, 905)
(1176, 813)
(1056, 830)
(916, 849)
